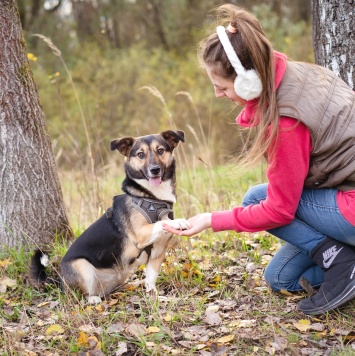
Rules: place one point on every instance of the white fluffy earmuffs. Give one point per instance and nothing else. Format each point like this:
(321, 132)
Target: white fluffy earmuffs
(247, 83)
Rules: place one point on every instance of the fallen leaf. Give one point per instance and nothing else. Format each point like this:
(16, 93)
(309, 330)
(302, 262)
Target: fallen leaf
(5, 263)
(100, 308)
(302, 325)
(122, 348)
(213, 318)
(7, 283)
(153, 329)
(40, 305)
(116, 328)
(137, 330)
(286, 292)
(168, 317)
(247, 323)
(212, 308)
(225, 339)
(82, 339)
(317, 327)
(54, 329)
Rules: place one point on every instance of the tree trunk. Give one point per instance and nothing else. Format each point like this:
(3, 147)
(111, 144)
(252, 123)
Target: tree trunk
(32, 208)
(85, 14)
(334, 37)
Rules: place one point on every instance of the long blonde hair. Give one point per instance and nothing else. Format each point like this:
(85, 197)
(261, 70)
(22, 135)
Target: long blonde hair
(255, 52)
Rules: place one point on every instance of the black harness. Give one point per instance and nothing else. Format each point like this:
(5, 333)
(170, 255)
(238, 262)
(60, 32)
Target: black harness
(153, 210)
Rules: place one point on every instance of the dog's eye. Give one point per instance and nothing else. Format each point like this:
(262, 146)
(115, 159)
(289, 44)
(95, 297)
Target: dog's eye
(161, 151)
(140, 155)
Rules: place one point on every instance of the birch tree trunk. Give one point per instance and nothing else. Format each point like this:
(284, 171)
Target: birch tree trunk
(31, 202)
(334, 37)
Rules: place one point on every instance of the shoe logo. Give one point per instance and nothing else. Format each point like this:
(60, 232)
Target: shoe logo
(352, 273)
(329, 256)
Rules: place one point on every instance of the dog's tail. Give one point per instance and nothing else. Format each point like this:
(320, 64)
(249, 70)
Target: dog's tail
(37, 272)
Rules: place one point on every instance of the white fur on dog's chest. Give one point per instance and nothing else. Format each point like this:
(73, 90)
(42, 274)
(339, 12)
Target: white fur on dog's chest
(162, 192)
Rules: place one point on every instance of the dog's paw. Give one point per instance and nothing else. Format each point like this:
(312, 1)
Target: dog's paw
(93, 299)
(178, 224)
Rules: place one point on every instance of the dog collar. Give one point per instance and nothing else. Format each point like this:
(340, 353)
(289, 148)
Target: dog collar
(153, 210)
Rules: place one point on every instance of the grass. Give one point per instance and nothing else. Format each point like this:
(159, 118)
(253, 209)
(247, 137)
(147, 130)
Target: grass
(213, 299)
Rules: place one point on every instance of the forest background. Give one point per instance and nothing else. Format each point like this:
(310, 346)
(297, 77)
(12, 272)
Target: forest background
(129, 67)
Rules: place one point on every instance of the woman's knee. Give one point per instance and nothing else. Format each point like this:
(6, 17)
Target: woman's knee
(255, 194)
(285, 268)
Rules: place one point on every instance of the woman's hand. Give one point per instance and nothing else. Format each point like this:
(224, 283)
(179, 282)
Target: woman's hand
(198, 223)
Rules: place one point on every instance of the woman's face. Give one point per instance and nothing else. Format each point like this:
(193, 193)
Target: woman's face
(224, 87)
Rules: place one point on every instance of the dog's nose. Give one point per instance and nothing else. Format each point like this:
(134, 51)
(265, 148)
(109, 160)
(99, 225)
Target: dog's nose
(154, 169)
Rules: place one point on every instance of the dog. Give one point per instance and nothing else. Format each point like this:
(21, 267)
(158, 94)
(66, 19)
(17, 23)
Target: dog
(130, 233)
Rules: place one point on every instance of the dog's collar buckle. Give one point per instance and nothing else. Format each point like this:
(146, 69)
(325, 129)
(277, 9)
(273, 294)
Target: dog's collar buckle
(153, 210)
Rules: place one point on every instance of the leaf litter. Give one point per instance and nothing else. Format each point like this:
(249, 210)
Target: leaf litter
(212, 301)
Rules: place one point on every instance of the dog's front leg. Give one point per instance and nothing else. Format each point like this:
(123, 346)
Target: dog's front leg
(155, 261)
(151, 233)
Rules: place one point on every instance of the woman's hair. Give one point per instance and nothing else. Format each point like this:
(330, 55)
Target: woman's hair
(254, 52)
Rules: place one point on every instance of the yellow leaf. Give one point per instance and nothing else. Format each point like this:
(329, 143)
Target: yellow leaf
(153, 329)
(302, 325)
(225, 339)
(217, 279)
(286, 292)
(40, 305)
(184, 274)
(5, 263)
(186, 266)
(100, 308)
(54, 329)
(168, 317)
(82, 339)
(168, 268)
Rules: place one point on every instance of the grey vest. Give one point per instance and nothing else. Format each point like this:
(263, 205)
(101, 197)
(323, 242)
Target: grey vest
(326, 105)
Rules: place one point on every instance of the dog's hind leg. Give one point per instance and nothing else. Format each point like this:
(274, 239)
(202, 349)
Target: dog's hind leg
(81, 274)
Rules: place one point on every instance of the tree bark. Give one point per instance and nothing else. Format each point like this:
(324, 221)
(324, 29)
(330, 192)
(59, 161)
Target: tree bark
(334, 36)
(32, 207)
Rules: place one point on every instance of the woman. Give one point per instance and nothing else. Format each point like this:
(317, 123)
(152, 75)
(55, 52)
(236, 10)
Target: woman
(305, 117)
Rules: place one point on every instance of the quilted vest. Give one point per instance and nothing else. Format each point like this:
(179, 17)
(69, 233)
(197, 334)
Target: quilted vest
(326, 105)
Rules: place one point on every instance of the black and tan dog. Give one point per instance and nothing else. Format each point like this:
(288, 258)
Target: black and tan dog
(130, 233)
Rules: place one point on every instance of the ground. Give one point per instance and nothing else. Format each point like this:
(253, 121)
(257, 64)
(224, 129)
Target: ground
(212, 301)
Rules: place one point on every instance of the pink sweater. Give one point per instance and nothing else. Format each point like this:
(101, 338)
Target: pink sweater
(286, 174)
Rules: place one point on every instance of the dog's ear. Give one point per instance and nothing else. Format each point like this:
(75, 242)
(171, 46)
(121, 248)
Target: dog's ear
(173, 137)
(122, 145)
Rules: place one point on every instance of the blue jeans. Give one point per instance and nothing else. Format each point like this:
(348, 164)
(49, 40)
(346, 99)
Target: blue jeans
(317, 217)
